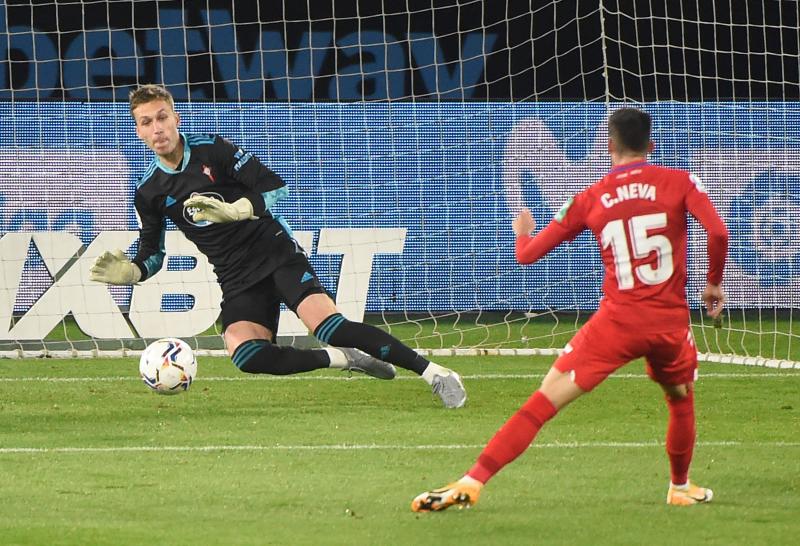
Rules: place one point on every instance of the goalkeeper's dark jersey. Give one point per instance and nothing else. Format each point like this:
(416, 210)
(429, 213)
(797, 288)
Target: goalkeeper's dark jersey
(242, 253)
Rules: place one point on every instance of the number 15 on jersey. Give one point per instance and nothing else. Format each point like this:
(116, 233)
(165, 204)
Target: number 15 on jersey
(616, 236)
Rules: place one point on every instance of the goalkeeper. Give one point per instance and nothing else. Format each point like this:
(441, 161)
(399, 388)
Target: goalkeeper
(221, 197)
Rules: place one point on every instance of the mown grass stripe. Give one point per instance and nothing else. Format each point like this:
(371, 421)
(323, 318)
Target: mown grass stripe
(717, 375)
(373, 447)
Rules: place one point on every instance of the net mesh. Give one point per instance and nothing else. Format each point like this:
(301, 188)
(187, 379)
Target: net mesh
(409, 134)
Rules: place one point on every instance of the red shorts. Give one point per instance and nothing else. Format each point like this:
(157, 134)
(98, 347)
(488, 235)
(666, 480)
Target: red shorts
(602, 346)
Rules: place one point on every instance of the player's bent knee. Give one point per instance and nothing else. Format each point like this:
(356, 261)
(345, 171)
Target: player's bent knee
(242, 331)
(677, 392)
(560, 388)
(315, 308)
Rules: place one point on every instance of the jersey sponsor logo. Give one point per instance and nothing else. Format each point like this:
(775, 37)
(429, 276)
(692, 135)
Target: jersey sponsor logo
(208, 173)
(188, 212)
(169, 201)
(243, 157)
(634, 190)
(307, 276)
(562, 212)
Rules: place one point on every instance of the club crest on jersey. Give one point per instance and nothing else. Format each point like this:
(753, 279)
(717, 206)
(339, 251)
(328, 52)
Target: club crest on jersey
(188, 212)
(562, 212)
(208, 173)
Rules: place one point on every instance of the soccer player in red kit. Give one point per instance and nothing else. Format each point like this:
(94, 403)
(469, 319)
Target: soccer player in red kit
(637, 213)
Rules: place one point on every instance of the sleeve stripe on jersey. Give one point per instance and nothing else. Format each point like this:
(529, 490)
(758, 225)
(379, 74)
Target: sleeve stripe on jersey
(272, 197)
(154, 262)
(285, 225)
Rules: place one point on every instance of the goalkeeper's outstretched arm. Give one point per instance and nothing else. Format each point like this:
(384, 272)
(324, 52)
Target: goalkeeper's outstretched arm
(114, 267)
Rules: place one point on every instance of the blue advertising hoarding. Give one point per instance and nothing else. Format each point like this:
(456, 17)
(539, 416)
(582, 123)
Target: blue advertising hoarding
(452, 174)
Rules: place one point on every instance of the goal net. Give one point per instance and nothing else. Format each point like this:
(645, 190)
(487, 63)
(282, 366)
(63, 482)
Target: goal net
(409, 134)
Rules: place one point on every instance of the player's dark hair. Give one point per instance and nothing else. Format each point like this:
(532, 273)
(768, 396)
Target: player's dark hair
(629, 128)
(148, 93)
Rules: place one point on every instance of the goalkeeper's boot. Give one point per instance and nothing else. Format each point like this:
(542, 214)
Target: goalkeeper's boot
(361, 362)
(450, 389)
(459, 494)
(688, 495)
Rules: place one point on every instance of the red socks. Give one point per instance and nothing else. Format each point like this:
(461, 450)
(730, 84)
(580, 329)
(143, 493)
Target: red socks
(514, 437)
(680, 437)
(518, 432)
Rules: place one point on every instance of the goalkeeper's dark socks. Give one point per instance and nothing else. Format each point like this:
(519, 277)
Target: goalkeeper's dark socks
(680, 436)
(261, 356)
(340, 332)
(514, 437)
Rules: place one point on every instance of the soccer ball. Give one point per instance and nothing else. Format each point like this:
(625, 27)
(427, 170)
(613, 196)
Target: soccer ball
(168, 366)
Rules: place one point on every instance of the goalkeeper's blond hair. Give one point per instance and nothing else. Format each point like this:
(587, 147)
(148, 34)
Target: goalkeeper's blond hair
(148, 93)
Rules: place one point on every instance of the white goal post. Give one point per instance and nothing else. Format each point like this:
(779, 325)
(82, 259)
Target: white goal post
(409, 133)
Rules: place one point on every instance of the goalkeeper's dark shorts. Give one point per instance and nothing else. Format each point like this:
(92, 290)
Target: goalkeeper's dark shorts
(290, 283)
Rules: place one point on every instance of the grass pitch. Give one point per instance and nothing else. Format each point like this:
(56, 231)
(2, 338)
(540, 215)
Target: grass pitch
(89, 456)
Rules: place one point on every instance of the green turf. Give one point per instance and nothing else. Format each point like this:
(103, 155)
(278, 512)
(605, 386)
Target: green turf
(317, 461)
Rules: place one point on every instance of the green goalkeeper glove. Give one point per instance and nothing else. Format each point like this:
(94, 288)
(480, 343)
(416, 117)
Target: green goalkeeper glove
(114, 268)
(219, 212)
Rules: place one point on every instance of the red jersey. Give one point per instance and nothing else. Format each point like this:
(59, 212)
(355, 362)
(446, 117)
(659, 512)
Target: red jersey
(637, 213)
